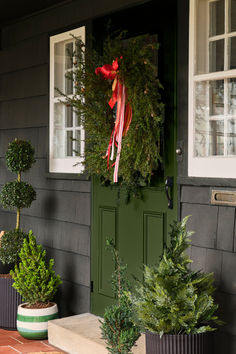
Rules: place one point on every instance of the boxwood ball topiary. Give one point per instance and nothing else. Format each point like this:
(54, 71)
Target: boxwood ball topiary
(10, 245)
(19, 156)
(17, 195)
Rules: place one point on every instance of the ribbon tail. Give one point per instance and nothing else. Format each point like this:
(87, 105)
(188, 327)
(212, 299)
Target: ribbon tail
(109, 148)
(121, 111)
(128, 118)
(112, 148)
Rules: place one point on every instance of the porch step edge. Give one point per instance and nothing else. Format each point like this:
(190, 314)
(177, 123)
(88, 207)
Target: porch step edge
(81, 334)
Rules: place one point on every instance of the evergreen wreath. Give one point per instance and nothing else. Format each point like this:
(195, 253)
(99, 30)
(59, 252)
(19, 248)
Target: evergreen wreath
(141, 146)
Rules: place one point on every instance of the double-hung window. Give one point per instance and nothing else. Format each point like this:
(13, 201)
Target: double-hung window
(212, 89)
(67, 136)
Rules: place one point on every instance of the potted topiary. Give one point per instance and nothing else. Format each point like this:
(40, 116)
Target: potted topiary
(14, 195)
(37, 283)
(174, 304)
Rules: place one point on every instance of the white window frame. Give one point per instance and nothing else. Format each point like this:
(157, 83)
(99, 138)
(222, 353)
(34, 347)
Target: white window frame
(67, 164)
(212, 166)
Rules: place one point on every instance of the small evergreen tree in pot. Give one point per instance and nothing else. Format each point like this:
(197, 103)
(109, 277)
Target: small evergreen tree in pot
(37, 283)
(118, 328)
(175, 304)
(16, 195)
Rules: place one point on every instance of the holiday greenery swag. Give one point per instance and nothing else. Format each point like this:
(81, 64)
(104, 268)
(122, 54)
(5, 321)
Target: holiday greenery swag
(35, 281)
(117, 96)
(118, 328)
(174, 299)
(16, 194)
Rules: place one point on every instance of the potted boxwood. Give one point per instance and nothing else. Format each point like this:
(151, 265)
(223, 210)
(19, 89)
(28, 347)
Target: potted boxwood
(14, 195)
(37, 283)
(174, 304)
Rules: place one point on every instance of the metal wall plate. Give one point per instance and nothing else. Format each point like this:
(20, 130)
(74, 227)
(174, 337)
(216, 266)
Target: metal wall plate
(221, 197)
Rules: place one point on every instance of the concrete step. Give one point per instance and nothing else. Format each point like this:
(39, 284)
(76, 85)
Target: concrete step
(81, 334)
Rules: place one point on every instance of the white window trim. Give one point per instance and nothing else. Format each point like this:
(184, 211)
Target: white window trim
(212, 166)
(71, 164)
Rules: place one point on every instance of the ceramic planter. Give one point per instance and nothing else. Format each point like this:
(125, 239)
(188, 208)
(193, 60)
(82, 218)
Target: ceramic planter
(33, 323)
(179, 344)
(9, 302)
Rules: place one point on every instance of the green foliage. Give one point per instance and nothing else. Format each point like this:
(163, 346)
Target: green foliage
(10, 246)
(33, 278)
(19, 156)
(118, 328)
(173, 299)
(92, 94)
(17, 195)
(119, 282)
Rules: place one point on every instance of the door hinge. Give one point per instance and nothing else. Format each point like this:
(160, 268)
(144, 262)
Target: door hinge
(91, 286)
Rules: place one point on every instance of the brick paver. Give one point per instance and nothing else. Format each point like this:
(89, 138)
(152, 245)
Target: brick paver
(11, 342)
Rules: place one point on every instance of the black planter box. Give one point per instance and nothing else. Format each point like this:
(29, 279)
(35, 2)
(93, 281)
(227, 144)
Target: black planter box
(179, 344)
(9, 301)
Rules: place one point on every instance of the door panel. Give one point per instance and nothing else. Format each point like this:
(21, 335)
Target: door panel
(139, 228)
(152, 240)
(107, 230)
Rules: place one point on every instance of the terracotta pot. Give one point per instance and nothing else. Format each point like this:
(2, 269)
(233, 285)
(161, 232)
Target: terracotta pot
(179, 344)
(9, 302)
(33, 323)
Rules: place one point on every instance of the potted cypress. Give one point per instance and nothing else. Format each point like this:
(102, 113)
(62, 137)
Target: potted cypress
(37, 283)
(14, 195)
(174, 304)
(118, 329)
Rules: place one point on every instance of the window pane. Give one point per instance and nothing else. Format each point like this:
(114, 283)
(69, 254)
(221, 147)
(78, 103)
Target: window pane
(68, 85)
(216, 97)
(217, 15)
(78, 143)
(69, 116)
(216, 138)
(69, 55)
(78, 53)
(201, 63)
(58, 140)
(232, 15)
(231, 137)
(216, 56)
(77, 120)
(201, 120)
(69, 143)
(209, 134)
(62, 61)
(232, 96)
(58, 67)
(232, 50)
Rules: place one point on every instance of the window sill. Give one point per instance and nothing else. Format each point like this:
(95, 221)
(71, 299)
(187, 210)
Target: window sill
(204, 181)
(68, 176)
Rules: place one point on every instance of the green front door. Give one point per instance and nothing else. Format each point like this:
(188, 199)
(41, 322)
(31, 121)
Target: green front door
(139, 228)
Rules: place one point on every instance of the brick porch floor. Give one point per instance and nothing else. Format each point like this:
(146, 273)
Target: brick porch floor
(11, 342)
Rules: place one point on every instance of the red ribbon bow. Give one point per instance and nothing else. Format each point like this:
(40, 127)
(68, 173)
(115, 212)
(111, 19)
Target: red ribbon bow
(123, 112)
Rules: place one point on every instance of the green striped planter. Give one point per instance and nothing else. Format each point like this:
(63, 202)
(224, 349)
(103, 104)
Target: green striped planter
(33, 323)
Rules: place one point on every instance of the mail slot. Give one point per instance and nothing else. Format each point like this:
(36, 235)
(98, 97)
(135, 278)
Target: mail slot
(223, 197)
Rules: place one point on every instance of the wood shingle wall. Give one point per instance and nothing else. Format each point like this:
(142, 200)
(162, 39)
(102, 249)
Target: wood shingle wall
(60, 216)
